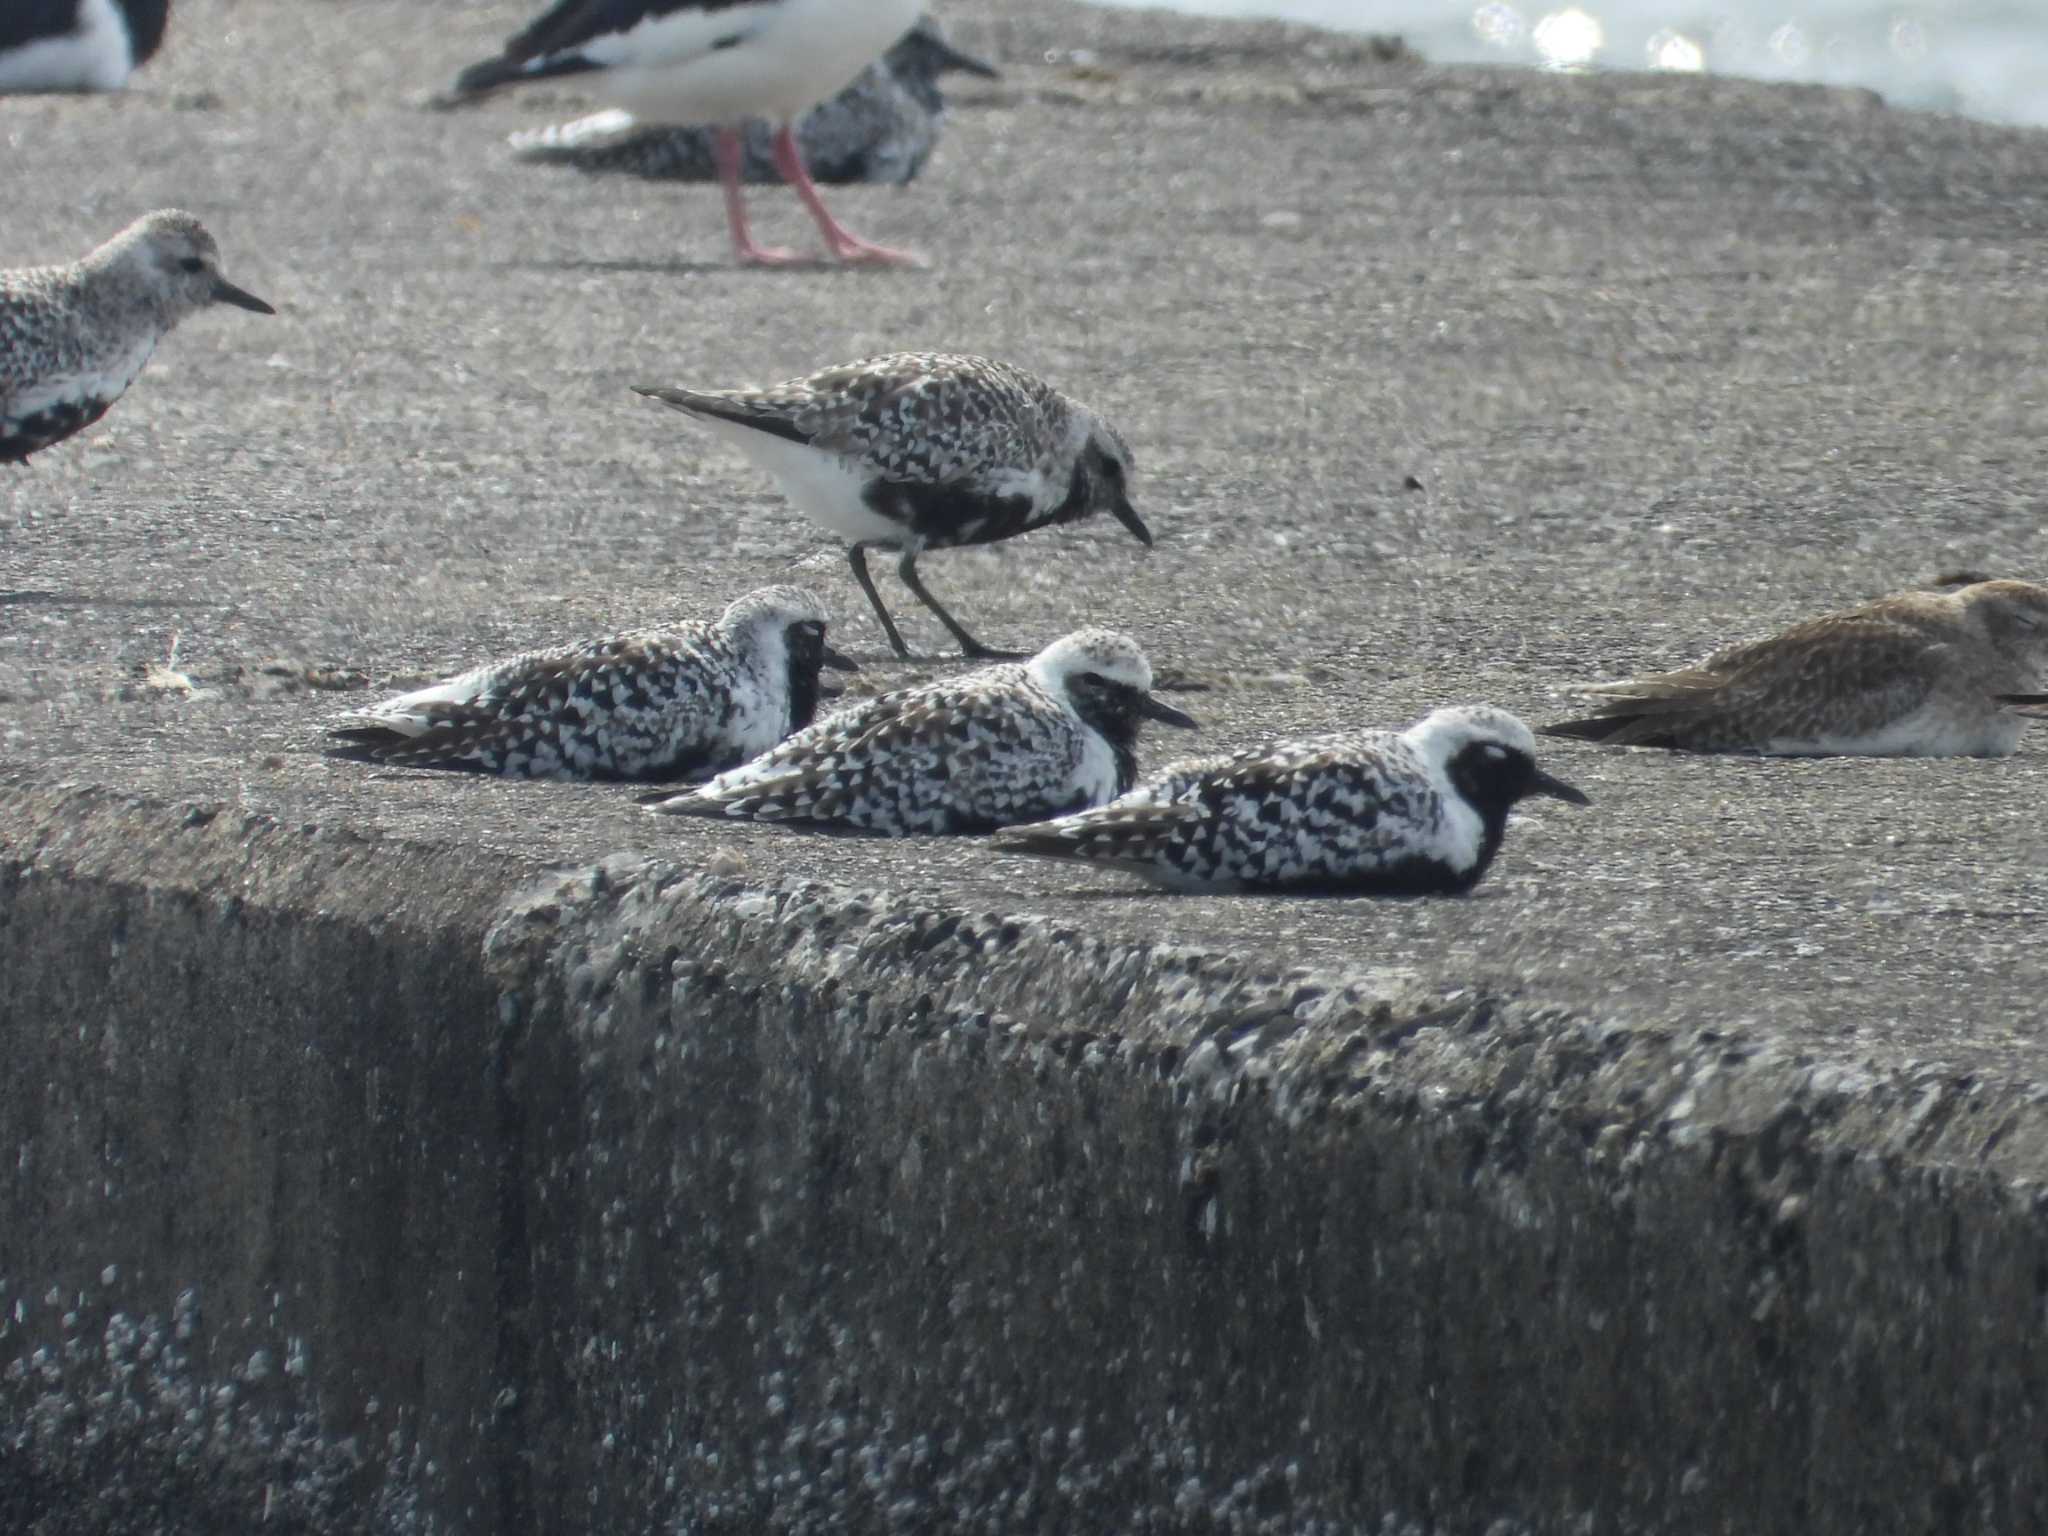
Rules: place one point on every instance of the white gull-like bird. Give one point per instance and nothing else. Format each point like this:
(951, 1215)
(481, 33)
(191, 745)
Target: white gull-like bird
(1385, 813)
(77, 45)
(684, 62)
(675, 703)
(924, 450)
(1012, 742)
(73, 337)
(1915, 674)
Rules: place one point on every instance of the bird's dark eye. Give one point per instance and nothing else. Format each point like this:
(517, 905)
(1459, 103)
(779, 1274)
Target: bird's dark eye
(192, 264)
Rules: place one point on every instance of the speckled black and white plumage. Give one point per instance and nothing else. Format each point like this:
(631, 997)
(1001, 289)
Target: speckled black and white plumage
(924, 450)
(1414, 812)
(73, 337)
(77, 45)
(1006, 744)
(676, 703)
(880, 129)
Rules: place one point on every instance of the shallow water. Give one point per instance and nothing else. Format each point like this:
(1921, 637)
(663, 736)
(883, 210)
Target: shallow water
(1985, 58)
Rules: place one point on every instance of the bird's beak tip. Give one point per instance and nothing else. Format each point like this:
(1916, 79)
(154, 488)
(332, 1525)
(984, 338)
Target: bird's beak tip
(225, 292)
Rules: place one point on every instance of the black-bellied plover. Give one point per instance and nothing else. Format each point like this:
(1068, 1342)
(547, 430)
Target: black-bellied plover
(924, 450)
(682, 702)
(72, 338)
(1915, 674)
(880, 129)
(1385, 813)
(1012, 742)
(682, 62)
(77, 45)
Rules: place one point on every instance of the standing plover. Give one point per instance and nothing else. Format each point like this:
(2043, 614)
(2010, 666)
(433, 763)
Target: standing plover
(882, 128)
(1414, 812)
(77, 45)
(1916, 674)
(1006, 744)
(924, 450)
(72, 338)
(682, 702)
(682, 62)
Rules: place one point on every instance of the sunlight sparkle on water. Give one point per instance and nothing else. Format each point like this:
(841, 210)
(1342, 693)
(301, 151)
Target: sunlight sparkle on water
(1568, 39)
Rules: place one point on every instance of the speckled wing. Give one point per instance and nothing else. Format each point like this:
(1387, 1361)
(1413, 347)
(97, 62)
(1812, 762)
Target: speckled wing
(937, 760)
(919, 417)
(629, 707)
(1349, 811)
(1835, 677)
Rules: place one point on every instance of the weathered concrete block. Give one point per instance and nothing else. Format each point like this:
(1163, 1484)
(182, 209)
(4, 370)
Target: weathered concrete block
(628, 1199)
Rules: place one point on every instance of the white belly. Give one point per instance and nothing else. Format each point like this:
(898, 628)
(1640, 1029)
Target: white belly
(790, 55)
(96, 57)
(108, 380)
(821, 485)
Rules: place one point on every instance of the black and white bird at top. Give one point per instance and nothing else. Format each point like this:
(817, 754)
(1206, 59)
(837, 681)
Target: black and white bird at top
(1013, 742)
(924, 450)
(77, 45)
(1915, 674)
(683, 702)
(684, 62)
(73, 337)
(1384, 813)
(882, 128)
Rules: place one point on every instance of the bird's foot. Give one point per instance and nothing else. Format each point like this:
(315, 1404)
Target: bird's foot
(752, 255)
(854, 250)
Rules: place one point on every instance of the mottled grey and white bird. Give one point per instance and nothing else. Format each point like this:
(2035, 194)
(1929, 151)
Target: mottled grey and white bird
(1915, 674)
(77, 45)
(924, 450)
(881, 129)
(675, 703)
(73, 338)
(1006, 744)
(1383, 813)
(683, 62)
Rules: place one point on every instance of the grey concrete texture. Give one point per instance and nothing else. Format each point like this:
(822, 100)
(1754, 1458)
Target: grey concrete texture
(645, 1199)
(1682, 1178)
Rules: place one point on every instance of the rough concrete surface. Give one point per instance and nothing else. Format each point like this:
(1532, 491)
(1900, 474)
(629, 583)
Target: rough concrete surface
(514, 1163)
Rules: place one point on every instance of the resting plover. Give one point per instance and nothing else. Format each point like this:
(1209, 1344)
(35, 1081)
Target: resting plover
(77, 45)
(880, 129)
(1414, 812)
(924, 450)
(682, 62)
(675, 703)
(1916, 674)
(73, 338)
(1013, 742)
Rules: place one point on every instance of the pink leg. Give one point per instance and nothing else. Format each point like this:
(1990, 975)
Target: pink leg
(727, 150)
(845, 244)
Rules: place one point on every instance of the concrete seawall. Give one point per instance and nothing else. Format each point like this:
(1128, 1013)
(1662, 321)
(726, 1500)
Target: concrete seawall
(627, 1198)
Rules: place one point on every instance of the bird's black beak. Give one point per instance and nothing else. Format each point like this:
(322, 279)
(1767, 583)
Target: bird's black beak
(1128, 516)
(1541, 783)
(946, 56)
(1164, 713)
(839, 661)
(225, 292)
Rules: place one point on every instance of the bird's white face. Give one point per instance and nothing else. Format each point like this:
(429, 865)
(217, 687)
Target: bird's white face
(1111, 656)
(179, 261)
(777, 608)
(1444, 733)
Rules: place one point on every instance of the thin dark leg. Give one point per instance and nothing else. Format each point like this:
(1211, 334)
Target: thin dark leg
(857, 557)
(906, 568)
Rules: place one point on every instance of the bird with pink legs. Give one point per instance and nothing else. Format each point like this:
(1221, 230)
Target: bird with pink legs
(721, 62)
